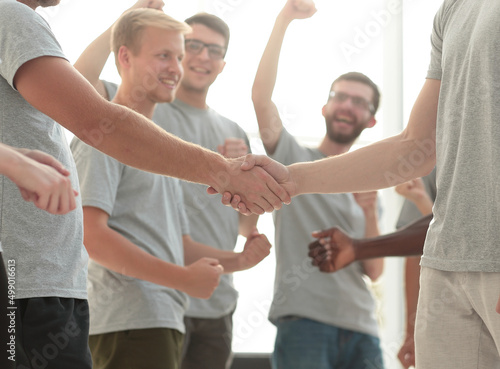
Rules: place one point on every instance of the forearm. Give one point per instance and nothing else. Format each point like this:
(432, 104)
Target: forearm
(412, 286)
(91, 62)
(247, 224)
(407, 241)
(383, 164)
(113, 251)
(373, 268)
(133, 142)
(10, 160)
(354, 172)
(265, 79)
(194, 251)
(270, 124)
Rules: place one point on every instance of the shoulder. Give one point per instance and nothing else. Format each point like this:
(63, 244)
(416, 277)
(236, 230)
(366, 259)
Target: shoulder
(14, 13)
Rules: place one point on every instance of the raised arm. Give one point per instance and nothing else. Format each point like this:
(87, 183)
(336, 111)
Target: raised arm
(94, 57)
(268, 118)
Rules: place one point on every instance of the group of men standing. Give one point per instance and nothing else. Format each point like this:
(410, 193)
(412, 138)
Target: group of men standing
(154, 240)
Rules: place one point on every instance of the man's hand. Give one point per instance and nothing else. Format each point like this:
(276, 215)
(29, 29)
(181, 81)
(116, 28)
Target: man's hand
(256, 184)
(202, 278)
(332, 251)
(413, 190)
(498, 306)
(233, 148)
(278, 171)
(44, 181)
(298, 9)
(406, 354)
(255, 250)
(154, 4)
(366, 200)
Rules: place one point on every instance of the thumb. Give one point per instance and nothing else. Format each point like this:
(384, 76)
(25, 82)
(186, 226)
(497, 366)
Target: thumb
(323, 233)
(249, 163)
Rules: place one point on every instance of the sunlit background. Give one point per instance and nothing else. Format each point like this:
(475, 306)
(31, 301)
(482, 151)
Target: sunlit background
(386, 39)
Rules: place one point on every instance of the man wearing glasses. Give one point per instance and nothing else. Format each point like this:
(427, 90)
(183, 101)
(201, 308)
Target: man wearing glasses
(207, 343)
(324, 321)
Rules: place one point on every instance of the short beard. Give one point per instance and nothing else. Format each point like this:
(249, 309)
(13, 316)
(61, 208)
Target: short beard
(48, 3)
(343, 138)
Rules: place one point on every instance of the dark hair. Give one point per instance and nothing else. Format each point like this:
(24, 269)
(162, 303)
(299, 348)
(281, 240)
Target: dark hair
(211, 21)
(360, 77)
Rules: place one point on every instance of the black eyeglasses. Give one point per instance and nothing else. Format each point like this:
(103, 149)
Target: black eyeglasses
(357, 102)
(195, 47)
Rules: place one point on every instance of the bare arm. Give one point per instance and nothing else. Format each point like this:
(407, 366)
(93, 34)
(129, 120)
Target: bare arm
(406, 354)
(256, 249)
(55, 88)
(415, 192)
(40, 178)
(373, 268)
(335, 250)
(268, 118)
(113, 251)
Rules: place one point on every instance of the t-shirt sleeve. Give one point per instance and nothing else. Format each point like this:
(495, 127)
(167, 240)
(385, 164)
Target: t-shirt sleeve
(288, 150)
(111, 89)
(24, 36)
(99, 176)
(435, 67)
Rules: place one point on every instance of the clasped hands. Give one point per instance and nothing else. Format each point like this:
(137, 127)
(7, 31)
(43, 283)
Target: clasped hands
(255, 184)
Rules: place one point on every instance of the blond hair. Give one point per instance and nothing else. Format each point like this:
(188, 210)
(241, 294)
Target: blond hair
(128, 30)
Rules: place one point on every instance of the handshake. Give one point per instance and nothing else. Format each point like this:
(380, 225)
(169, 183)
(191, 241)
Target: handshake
(255, 184)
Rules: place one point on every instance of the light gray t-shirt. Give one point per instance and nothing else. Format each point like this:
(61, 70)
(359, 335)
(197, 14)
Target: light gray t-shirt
(146, 209)
(210, 223)
(409, 212)
(47, 249)
(465, 233)
(341, 299)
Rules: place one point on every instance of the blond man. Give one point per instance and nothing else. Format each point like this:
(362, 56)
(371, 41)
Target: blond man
(135, 226)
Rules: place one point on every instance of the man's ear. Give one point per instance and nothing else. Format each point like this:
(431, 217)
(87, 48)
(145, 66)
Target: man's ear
(222, 67)
(371, 122)
(124, 57)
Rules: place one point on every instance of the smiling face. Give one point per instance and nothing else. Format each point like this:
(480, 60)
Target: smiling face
(200, 70)
(154, 72)
(344, 120)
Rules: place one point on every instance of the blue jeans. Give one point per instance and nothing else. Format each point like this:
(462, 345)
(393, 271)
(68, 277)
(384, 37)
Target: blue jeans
(307, 344)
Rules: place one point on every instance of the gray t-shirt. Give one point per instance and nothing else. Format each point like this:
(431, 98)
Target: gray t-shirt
(409, 212)
(146, 209)
(48, 249)
(465, 56)
(206, 128)
(341, 299)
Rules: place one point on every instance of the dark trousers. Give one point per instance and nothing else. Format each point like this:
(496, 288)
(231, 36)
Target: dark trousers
(52, 333)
